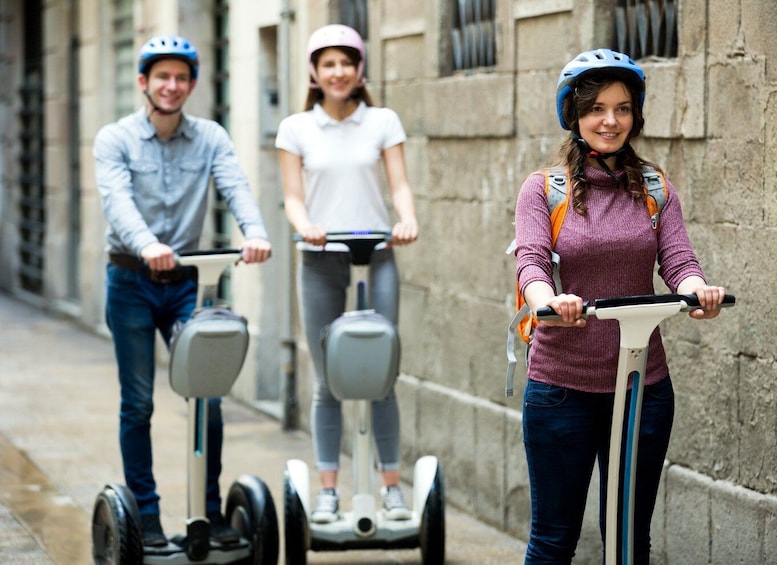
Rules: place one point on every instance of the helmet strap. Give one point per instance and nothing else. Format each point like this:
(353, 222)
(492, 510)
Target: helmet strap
(598, 155)
(157, 109)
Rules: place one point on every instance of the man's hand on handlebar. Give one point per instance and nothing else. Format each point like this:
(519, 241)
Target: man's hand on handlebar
(256, 250)
(159, 257)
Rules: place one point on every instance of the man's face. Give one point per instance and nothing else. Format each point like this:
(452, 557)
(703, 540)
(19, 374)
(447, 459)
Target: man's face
(169, 84)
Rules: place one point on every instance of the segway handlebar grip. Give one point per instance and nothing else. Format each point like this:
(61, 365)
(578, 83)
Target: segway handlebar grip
(690, 301)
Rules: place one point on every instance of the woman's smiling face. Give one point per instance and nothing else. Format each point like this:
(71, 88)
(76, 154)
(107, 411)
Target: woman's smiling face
(336, 74)
(607, 126)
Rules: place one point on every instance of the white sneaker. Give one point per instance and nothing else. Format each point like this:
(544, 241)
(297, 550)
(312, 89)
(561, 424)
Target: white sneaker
(394, 504)
(327, 506)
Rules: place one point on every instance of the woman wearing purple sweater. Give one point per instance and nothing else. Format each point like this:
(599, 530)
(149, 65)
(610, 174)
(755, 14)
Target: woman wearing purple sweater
(608, 248)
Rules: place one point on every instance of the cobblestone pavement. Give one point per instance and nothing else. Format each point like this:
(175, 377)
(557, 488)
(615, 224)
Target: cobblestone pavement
(59, 447)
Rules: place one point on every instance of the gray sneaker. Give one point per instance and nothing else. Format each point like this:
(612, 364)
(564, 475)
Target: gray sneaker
(394, 504)
(327, 506)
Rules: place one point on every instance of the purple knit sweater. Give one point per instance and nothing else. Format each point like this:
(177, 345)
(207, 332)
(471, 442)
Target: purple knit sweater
(607, 253)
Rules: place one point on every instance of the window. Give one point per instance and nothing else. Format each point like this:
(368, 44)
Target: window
(222, 236)
(32, 189)
(221, 217)
(353, 13)
(646, 27)
(473, 34)
(124, 53)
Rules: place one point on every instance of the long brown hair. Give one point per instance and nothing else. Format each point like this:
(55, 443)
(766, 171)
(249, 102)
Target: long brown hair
(315, 94)
(571, 152)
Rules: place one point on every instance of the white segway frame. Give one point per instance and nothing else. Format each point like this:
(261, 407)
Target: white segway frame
(364, 526)
(637, 316)
(250, 507)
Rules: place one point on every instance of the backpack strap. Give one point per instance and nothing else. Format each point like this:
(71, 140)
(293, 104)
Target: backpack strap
(557, 194)
(657, 193)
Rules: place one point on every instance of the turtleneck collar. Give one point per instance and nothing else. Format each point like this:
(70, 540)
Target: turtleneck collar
(599, 178)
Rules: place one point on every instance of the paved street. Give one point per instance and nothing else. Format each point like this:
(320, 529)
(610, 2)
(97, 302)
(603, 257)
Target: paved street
(58, 447)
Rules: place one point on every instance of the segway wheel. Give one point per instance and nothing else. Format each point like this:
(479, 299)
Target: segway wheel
(432, 529)
(116, 533)
(295, 525)
(251, 511)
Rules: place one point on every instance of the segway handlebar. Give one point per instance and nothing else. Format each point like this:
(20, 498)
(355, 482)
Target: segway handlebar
(346, 236)
(200, 252)
(210, 263)
(361, 243)
(689, 302)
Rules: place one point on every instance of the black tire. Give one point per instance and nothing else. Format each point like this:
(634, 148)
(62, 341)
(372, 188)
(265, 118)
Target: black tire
(295, 525)
(251, 511)
(116, 533)
(432, 530)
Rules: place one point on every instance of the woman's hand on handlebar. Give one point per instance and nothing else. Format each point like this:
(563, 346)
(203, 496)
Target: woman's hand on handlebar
(570, 308)
(314, 234)
(256, 250)
(404, 232)
(710, 298)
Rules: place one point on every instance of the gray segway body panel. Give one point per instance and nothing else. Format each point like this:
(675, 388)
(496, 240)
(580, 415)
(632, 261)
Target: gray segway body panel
(207, 353)
(361, 355)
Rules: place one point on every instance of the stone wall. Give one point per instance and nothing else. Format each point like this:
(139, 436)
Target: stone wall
(474, 136)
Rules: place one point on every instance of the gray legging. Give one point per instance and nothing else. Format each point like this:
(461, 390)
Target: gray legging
(322, 281)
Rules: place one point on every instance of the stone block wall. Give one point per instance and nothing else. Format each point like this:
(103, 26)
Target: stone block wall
(473, 137)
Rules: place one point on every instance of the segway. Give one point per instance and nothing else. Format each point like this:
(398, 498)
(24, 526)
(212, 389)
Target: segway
(361, 352)
(637, 316)
(206, 355)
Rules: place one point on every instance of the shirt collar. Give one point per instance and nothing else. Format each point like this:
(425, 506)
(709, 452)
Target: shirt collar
(147, 129)
(323, 119)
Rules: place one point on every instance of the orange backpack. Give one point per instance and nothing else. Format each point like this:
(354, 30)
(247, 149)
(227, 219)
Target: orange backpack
(557, 182)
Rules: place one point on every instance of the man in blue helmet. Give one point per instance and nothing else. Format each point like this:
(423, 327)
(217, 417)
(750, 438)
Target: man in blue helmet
(153, 169)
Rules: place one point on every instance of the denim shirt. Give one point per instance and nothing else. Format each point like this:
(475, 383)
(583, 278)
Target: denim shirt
(157, 191)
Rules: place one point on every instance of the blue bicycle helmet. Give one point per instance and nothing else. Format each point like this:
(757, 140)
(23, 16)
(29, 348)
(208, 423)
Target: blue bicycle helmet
(619, 64)
(168, 47)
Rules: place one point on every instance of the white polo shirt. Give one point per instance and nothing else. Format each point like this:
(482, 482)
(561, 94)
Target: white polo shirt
(341, 161)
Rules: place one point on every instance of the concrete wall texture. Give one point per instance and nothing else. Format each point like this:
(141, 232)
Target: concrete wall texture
(473, 137)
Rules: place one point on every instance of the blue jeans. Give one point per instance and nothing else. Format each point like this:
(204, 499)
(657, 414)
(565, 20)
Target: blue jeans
(322, 281)
(565, 431)
(135, 309)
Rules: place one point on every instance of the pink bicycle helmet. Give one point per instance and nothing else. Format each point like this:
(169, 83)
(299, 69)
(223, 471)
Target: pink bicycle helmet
(336, 35)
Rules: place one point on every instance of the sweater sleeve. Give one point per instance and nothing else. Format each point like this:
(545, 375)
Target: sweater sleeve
(676, 257)
(532, 233)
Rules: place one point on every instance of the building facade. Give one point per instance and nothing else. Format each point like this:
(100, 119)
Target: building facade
(473, 82)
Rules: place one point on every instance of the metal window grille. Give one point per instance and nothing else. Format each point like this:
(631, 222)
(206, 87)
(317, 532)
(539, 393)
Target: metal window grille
(473, 34)
(32, 201)
(646, 28)
(221, 217)
(74, 158)
(221, 110)
(353, 13)
(124, 56)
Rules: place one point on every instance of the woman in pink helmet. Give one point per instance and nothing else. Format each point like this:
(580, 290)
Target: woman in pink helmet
(330, 156)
